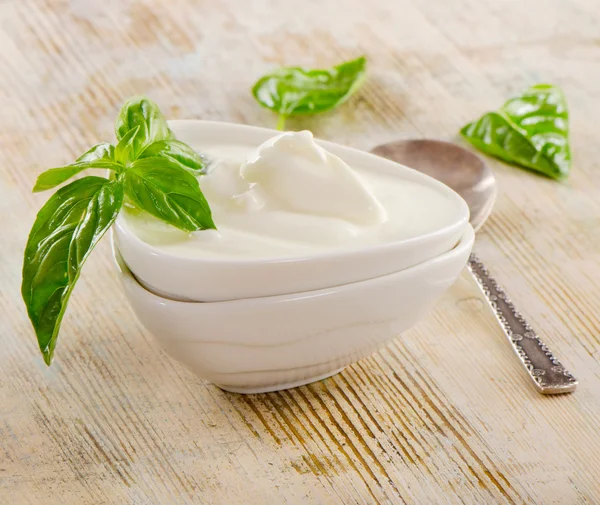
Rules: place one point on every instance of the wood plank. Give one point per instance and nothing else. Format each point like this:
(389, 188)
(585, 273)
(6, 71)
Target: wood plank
(443, 414)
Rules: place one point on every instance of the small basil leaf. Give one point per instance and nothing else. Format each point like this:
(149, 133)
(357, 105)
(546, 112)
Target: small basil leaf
(295, 90)
(530, 130)
(125, 150)
(164, 189)
(177, 151)
(56, 176)
(65, 231)
(142, 112)
(102, 151)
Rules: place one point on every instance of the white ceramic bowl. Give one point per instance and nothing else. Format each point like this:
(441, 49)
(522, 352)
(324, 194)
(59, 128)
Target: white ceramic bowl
(209, 280)
(266, 344)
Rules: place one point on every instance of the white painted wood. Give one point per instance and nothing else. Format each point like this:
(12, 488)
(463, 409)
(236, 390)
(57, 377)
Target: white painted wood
(444, 414)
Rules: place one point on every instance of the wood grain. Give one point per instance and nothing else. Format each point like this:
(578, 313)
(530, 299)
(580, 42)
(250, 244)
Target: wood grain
(441, 416)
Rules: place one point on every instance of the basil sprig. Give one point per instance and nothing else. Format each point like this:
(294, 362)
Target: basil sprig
(149, 168)
(530, 130)
(294, 90)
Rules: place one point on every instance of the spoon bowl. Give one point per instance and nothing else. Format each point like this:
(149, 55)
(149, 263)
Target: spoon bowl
(460, 169)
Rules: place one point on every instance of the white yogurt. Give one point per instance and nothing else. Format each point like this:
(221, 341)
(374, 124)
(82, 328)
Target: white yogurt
(290, 197)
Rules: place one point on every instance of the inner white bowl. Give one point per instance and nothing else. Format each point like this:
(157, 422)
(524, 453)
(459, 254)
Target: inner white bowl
(204, 279)
(271, 343)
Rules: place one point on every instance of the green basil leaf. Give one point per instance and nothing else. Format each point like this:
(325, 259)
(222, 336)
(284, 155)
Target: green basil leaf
(296, 90)
(530, 130)
(64, 233)
(56, 176)
(164, 189)
(142, 112)
(177, 151)
(100, 156)
(125, 150)
(102, 151)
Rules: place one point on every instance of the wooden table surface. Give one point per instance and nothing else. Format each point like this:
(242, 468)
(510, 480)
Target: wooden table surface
(444, 414)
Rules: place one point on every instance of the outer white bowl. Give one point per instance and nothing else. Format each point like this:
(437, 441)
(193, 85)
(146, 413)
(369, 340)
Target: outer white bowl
(272, 343)
(211, 280)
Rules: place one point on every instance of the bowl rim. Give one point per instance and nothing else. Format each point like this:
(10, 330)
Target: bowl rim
(465, 243)
(462, 220)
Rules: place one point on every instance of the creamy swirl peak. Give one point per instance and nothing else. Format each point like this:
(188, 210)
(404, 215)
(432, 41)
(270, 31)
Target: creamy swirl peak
(298, 175)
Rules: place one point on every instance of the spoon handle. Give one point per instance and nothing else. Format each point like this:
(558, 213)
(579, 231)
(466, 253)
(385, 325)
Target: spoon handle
(548, 375)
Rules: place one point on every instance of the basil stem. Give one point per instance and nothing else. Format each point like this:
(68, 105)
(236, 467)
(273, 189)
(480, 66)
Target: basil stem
(281, 121)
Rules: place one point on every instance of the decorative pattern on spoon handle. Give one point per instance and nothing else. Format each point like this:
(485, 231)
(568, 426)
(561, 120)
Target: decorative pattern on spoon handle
(547, 373)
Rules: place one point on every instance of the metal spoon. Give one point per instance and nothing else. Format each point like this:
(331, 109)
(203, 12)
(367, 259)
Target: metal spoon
(470, 177)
